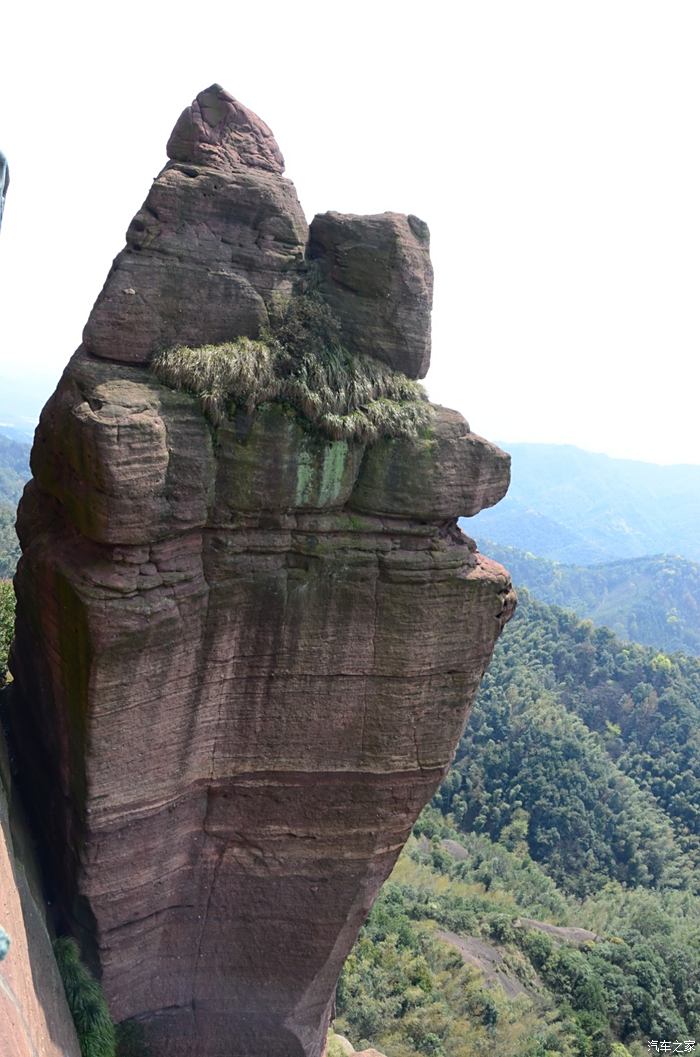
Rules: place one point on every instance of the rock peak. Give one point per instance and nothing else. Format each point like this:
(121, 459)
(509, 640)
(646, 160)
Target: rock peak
(220, 133)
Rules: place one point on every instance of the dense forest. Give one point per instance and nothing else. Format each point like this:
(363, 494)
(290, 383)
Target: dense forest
(653, 600)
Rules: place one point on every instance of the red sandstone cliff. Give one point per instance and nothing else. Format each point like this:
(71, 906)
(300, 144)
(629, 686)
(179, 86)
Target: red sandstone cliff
(243, 657)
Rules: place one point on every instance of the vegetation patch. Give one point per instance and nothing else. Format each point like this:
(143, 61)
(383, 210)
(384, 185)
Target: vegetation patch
(9, 544)
(408, 990)
(86, 1002)
(7, 626)
(300, 360)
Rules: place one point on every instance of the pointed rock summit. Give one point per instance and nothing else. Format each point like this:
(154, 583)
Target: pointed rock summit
(222, 234)
(244, 652)
(220, 133)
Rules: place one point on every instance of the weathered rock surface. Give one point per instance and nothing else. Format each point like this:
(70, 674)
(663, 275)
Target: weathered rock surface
(219, 235)
(34, 1018)
(242, 660)
(219, 132)
(448, 470)
(377, 276)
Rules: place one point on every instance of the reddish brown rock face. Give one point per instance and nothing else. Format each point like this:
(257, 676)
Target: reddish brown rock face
(219, 235)
(242, 664)
(34, 1015)
(376, 273)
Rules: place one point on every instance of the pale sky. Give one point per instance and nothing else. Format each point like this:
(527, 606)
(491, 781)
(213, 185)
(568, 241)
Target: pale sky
(552, 146)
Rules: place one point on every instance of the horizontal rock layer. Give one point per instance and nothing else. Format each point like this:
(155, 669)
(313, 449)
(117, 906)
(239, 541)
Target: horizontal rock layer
(204, 256)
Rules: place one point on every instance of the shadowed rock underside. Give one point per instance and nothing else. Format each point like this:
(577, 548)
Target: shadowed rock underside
(244, 656)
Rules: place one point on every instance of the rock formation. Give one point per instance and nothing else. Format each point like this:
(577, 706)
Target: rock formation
(244, 656)
(34, 1016)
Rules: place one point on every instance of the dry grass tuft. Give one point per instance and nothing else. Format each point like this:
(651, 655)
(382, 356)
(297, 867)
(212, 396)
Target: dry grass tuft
(301, 362)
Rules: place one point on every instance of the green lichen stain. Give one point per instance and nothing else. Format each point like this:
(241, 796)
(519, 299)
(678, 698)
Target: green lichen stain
(307, 472)
(333, 471)
(320, 473)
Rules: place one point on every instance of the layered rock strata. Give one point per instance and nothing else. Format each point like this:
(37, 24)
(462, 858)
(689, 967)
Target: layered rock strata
(244, 656)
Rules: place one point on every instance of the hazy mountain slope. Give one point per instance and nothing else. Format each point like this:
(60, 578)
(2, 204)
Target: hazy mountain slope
(14, 469)
(22, 397)
(574, 506)
(14, 473)
(9, 544)
(652, 600)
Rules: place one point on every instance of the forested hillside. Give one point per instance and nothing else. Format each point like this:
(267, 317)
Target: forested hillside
(573, 506)
(14, 469)
(653, 600)
(588, 746)
(471, 948)
(573, 802)
(14, 472)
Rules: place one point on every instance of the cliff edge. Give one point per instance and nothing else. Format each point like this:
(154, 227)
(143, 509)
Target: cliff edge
(246, 644)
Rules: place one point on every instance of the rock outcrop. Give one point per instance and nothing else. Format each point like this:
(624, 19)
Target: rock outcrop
(244, 656)
(219, 235)
(34, 1017)
(376, 274)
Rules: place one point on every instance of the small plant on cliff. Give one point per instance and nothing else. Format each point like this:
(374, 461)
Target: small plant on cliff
(86, 1002)
(7, 625)
(299, 360)
(335, 1048)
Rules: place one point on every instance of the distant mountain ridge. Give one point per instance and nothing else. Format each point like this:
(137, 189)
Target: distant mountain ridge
(574, 506)
(652, 600)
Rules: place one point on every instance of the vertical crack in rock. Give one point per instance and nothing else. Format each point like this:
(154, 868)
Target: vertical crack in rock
(244, 653)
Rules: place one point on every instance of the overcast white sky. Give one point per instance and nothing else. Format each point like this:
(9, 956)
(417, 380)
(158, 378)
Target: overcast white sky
(552, 146)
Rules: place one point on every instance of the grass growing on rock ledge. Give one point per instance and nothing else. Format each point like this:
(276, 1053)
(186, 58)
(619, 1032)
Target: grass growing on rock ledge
(300, 361)
(86, 1002)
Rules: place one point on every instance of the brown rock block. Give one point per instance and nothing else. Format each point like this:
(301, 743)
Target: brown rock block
(135, 463)
(377, 276)
(447, 473)
(214, 241)
(221, 133)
